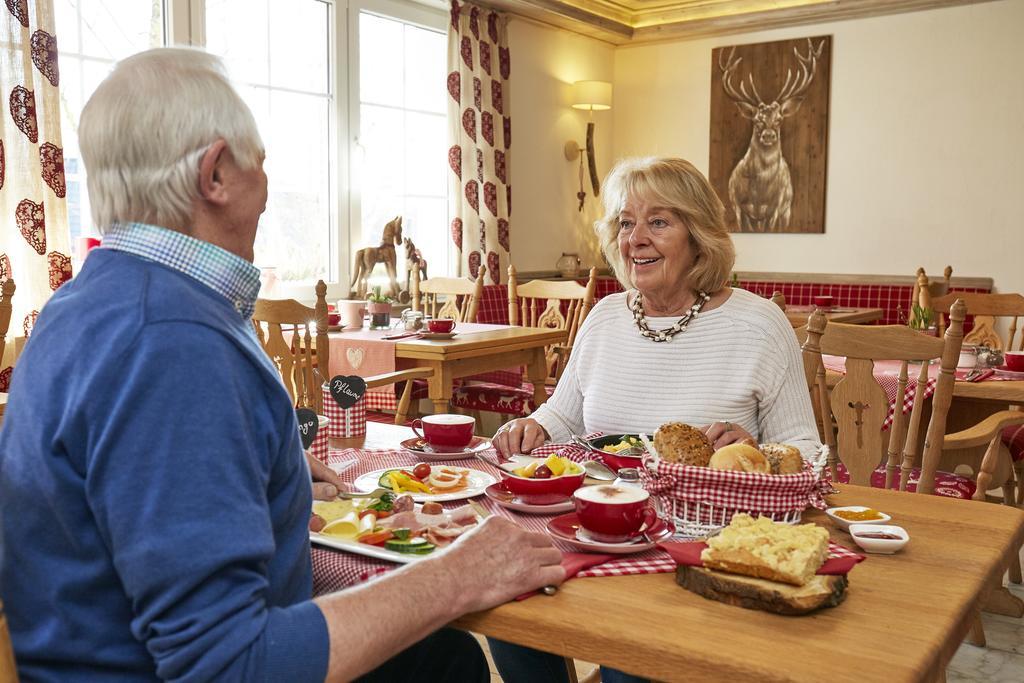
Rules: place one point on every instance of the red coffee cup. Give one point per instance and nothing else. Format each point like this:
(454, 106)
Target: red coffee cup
(824, 301)
(446, 430)
(333, 318)
(1015, 360)
(441, 325)
(613, 513)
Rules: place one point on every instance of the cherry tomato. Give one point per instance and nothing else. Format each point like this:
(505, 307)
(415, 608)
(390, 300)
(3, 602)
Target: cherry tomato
(421, 471)
(542, 472)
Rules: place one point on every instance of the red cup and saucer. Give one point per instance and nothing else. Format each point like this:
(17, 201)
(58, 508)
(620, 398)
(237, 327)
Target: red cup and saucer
(612, 518)
(825, 301)
(439, 328)
(447, 436)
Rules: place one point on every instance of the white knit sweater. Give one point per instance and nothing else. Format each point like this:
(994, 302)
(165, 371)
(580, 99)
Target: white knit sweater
(738, 363)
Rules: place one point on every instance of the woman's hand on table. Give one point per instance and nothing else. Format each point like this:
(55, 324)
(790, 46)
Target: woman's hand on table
(499, 560)
(326, 482)
(519, 436)
(724, 433)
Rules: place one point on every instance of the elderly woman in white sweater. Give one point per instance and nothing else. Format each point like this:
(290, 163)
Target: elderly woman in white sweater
(679, 345)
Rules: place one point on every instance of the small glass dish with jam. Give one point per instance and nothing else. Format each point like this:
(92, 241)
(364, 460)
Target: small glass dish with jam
(856, 514)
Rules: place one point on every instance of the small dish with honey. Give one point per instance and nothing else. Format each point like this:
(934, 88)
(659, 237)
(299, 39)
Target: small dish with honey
(856, 514)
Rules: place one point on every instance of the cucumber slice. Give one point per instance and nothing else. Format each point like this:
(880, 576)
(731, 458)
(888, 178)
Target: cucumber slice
(419, 546)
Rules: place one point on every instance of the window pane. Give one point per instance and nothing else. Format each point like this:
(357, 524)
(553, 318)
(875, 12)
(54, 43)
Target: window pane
(116, 28)
(426, 142)
(426, 67)
(236, 30)
(299, 41)
(274, 48)
(91, 36)
(400, 159)
(380, 60)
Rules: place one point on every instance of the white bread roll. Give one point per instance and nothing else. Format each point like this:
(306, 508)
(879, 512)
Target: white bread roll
(740, 457)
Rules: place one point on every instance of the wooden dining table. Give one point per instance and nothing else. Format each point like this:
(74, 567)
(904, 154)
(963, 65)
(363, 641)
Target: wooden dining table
(476, 353)
(903, 618)
(798, 315)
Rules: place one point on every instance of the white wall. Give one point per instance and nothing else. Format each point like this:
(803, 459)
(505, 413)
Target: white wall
(545, 221)
(926, 140)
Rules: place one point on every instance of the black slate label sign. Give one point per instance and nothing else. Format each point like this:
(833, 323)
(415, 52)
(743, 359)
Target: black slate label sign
(308, 424)
(347, 390)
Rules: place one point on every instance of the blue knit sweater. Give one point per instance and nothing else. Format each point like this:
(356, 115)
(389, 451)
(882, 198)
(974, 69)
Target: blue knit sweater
(154, 499)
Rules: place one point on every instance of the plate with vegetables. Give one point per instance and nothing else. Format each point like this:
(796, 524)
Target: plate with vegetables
(426, 482)
(619, 450)
(392, 527)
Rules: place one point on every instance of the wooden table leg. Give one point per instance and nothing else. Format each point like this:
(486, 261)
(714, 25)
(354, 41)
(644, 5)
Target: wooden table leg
(537, 372)
(1001, 601)
(439, 387)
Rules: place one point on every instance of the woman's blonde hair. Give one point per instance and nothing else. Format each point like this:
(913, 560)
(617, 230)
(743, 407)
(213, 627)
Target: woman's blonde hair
(677, 185)
(145, 129)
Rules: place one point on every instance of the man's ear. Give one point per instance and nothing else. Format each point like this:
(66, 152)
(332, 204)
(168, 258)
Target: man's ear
(211, 173)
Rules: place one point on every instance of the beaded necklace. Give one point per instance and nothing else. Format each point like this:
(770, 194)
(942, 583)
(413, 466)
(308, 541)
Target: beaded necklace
(665, 335)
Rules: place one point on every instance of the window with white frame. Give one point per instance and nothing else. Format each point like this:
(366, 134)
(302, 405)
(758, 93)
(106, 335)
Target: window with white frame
(348, 147)
(279, 54)
(400, 135)
(92, 35)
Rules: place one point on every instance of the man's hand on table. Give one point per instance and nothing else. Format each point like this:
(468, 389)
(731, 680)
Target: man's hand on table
(519, 436)
(326, 482)
(499, 560)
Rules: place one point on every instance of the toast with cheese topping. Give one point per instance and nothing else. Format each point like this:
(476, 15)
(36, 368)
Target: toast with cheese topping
(768, 550)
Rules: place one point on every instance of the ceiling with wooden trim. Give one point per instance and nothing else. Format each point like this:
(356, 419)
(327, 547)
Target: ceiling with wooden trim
(627, 22)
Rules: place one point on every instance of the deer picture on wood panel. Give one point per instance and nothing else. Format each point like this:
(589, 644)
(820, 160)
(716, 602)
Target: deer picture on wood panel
(760, 185)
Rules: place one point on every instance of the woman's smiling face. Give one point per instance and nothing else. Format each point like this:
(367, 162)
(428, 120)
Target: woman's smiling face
(655, 245)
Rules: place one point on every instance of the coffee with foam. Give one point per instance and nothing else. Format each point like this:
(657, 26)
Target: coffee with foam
(612, 495)
(448, 419)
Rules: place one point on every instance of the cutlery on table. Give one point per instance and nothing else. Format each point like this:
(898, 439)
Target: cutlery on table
(376, 493)
(484, 513)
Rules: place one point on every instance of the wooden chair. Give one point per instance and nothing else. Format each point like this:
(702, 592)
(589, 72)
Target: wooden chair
(925, 290)
(296, 358)
(779, 299)
(8, 668)
(307, 351)
(986, 308)
(448, 297)
(538, 303)
(859, 406)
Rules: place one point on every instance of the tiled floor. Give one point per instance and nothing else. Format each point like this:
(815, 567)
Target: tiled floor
(1001, 661)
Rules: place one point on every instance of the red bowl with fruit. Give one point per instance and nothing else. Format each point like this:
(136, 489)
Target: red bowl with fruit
(534, 480)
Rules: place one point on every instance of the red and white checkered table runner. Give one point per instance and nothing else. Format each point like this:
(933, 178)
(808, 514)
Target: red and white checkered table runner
(335, 569)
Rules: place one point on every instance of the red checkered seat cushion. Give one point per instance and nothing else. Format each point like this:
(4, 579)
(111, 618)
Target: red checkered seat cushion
(497, 398)
(1013, 437)
(946, 483)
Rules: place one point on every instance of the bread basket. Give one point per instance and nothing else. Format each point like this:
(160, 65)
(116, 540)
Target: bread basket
(701, 500)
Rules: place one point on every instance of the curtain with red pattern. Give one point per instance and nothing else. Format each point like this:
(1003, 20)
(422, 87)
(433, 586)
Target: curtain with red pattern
(480, 126)
(34, 240)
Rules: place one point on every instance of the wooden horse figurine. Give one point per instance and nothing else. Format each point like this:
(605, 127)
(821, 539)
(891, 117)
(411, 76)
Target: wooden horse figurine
(368, 257)
(413, 260)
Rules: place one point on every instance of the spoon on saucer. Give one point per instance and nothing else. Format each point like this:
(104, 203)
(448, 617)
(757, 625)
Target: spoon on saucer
(597, 470)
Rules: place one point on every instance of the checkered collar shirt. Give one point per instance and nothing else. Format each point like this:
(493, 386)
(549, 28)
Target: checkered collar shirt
(229, 275)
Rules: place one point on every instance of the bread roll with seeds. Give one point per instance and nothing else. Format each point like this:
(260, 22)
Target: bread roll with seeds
(783, 458)
(680, 443)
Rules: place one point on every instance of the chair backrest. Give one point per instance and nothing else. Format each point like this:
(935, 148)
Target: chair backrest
(986, 308)
(926, 289)
(860, 405)
(779, 299)
(8, 669)
(296, 355)
(7, 292)
(553, 305)
(448, 297)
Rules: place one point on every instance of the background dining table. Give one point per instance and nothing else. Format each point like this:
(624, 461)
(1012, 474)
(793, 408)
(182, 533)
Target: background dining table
(798, 315)
(903, 618)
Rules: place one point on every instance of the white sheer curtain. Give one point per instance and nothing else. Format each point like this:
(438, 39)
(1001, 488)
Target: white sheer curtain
(480, 125)
(34, 241)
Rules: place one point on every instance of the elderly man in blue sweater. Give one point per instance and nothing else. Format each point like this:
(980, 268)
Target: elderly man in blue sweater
(154, 497)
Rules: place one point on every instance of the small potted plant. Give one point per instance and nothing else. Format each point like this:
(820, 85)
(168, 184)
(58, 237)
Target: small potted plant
(379, 307)
(922, 320)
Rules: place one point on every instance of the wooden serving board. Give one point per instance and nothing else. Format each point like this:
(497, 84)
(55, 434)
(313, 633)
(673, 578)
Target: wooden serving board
(770, 596)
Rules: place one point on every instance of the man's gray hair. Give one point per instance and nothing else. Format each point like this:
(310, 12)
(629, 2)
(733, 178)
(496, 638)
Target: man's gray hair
(145, 129)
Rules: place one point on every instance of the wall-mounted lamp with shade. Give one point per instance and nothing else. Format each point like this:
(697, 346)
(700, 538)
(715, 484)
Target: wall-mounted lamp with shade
(592, 96)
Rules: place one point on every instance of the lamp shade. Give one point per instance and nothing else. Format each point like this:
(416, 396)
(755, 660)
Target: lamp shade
(592, 95)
